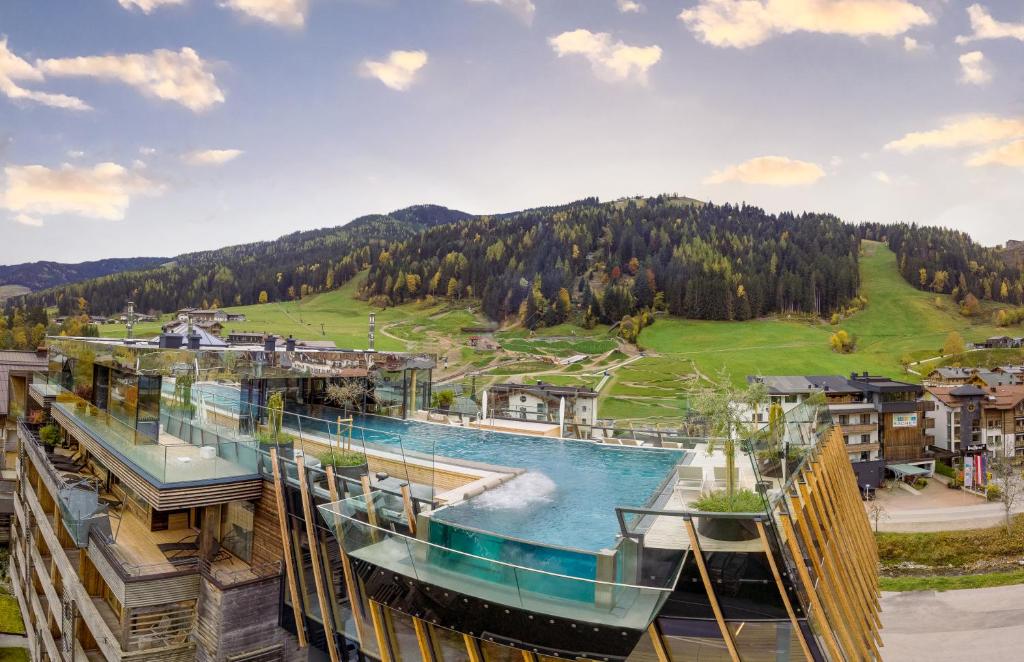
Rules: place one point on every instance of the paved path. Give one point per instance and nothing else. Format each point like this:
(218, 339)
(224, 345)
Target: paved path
(953, 518)
(971, 624)
(13, 641)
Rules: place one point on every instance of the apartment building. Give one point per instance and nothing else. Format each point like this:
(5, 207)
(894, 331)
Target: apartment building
(968, 419)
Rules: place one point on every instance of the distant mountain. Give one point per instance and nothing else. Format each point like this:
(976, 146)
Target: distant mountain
(43, 275)
(289, 266)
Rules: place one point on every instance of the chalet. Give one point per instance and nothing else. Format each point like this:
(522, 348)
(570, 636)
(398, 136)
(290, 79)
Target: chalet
(541, 402)
(209, 315)
(1015, 373)
(1003, 342)
(969, 419)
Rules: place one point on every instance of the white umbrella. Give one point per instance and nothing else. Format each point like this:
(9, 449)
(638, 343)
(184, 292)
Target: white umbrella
(484, 408)
(561, 417)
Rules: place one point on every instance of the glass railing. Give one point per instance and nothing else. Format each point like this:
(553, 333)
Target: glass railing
(184, 449)
(538, 591)
(44, 385)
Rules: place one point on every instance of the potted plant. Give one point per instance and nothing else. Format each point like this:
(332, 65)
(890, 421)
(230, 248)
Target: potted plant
(272, 434)
(349, 394)
(347, 463)
(728, 415)
(50, 436)
(719, 501)
(442, 400)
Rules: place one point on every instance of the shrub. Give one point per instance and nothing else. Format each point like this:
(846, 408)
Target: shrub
(920, 483)
(50, 434)
(743, 501)
(945, 470)
(842, 342)
(442, 399)
(342, 458)
(993, 493)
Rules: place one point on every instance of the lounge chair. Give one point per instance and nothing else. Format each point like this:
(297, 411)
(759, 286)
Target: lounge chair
(689, 477)
(71, 463)
(721, 475)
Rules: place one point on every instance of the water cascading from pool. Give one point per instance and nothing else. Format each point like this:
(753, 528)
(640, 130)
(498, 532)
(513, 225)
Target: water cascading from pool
(528, 490)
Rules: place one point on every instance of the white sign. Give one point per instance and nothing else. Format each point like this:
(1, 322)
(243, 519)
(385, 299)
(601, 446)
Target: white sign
(904, 420)
(968, 475)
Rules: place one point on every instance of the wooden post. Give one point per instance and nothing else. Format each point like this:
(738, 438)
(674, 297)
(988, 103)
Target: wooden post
(423, 640)
(282, 516)
(314, 555)
(698, 556)
(782, 592)
(346, 566)
(371, 511)
(206, 532)
(410, 514)
(472, 648)
(801, 567)
(658, 643)
(378, 628)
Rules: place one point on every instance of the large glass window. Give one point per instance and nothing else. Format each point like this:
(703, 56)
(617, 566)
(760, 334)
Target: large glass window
(236, 528)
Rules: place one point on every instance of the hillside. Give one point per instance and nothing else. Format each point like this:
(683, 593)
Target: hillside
(42, 275)
(286, 268)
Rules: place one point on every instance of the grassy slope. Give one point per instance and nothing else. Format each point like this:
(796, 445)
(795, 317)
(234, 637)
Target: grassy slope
(10, 615)
(898, 321)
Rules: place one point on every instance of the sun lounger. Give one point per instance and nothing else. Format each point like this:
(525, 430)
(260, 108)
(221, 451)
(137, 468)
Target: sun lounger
(721, 475)
(689, 477)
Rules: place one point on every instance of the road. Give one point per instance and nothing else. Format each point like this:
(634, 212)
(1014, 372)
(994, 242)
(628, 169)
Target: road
(953, 518)
(969, 624)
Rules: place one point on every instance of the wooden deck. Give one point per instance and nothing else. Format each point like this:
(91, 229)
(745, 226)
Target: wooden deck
(669, 532)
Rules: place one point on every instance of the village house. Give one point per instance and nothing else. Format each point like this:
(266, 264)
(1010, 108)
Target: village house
(540, 401)
(969, 419)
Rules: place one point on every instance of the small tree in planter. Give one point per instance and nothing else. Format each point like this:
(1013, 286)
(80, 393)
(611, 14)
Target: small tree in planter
(729, 415)
(349, 394)
(50, 436)
(442, 400)
(272, 435)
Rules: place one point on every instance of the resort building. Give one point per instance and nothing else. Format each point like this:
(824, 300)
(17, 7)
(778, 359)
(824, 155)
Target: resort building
(969, 420)
(541, 401)
(178, 501)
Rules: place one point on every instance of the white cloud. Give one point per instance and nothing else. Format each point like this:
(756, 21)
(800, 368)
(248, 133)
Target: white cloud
(30, 221)
(397, 72)
(770, 171)
(147, 6)
(986, 27)
(910, 44)
(103, 191)
(147, 151)
(973, 70)
(615, 61)
(744, 23)
(182, 77)
(212, 156)
(524, 9)
(1010, 155)
(75, 153)
(284, 13)
(13, 68)
(630, 6)
(882, 176)
(961, 132)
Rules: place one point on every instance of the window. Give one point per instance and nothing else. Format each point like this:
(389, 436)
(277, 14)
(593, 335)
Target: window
(792, 398)
(844, 419)
(865, 439)
(865, 456)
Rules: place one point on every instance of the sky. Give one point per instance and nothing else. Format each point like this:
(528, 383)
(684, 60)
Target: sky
(156, 127)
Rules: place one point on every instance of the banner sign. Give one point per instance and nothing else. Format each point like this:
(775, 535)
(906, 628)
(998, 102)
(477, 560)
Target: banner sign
(969, 475)
(904, 420)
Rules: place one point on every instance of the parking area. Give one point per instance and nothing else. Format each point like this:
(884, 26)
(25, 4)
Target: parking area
(978, 624)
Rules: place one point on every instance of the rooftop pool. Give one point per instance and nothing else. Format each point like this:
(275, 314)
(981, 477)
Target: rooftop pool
(566, 498)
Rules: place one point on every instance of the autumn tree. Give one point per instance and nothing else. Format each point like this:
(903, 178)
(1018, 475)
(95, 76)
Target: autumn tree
(954, 345)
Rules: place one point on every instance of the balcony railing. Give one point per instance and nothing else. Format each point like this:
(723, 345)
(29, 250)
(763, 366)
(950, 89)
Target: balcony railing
(185, 450)
(538, 591)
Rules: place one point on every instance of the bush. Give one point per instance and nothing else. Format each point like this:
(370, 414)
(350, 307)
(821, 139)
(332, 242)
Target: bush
(268, 438)
(993, 493)
(342, 458)
(50, 434)
(442, 400)
(743, 501)
(945, 470)
(920, 483)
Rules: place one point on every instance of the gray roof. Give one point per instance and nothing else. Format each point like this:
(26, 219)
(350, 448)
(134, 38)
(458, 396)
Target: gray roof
(206, 339)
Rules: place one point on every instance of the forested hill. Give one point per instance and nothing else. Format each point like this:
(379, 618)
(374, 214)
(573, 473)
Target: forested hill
(43, 275)
(288, 267)
(704, 261)
(948, 261)
(606, 260)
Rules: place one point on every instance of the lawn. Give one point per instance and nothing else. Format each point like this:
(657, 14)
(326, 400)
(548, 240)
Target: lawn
(14, 655)
(952, 582)
(952, 549)
(897, 321)
(10, 615)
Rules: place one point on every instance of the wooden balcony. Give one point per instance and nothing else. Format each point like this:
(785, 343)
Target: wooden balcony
(859, 428)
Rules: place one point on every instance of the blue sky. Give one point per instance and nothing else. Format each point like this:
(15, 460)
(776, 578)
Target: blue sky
(146, 127)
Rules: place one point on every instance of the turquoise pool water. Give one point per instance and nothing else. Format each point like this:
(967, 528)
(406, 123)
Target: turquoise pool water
(568, 496)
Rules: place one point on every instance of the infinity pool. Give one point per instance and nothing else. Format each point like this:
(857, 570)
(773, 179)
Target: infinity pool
(568, 495)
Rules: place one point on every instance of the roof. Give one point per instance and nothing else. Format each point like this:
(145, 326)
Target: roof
(878, 384)
(782, 384)
(544, 389)
(206, 339)
(19, 362)
(996, 397)
(952, 372)
(907, 470)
